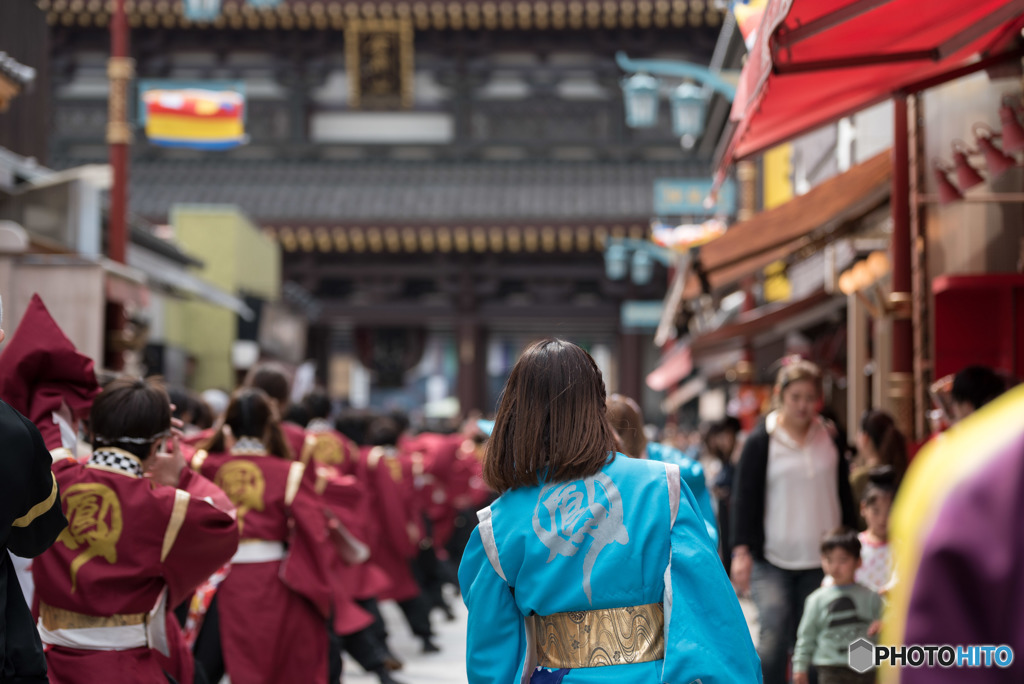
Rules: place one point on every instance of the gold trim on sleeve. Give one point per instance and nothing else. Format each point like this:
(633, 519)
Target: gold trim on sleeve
(181, 499)
(198, 459)
(373, 458)
(291, 489)
(308, 447)
(40, 508)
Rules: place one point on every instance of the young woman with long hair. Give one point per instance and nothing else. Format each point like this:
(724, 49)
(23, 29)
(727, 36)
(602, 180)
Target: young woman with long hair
(591, 566)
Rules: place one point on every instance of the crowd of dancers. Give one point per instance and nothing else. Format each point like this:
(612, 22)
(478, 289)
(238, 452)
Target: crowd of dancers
(258, 547)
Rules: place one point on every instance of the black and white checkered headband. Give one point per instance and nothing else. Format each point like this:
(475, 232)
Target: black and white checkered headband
(117, 459)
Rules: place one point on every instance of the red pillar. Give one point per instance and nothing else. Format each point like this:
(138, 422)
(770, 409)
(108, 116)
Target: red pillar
(901, 382)
(120, 70)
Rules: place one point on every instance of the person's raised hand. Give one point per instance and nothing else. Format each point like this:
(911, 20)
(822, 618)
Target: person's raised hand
(165, 466)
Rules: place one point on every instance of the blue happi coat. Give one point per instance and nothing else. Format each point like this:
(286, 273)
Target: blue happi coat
(628, 536)
(693, 476)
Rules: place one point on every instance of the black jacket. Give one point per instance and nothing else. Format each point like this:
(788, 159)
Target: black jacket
(748, 492)
(31, 517)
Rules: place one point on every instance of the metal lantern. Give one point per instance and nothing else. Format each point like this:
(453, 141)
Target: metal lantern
(202, 10)
(641, 95)
(688, 106)
(616, 261)
(642, 267)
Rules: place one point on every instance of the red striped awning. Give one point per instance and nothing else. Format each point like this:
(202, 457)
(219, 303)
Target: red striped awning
(816, 61)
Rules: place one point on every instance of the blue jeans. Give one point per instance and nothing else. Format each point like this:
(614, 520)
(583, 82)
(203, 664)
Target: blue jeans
(779, 595)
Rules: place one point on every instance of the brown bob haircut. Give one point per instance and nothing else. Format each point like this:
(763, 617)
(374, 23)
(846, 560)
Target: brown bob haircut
(628, 422)
(551, 420)
(250, 413)
(128, 410)
(272, 378)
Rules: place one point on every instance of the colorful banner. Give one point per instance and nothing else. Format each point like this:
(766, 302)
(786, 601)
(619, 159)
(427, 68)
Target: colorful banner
(748, 17)
(206, 115)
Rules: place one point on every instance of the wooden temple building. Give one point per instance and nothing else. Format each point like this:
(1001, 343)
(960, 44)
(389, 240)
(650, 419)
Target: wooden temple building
(441, 175)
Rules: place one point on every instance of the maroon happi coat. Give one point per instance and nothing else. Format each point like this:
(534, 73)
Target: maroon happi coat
(272, 613)
(344, 498)
(127, 543)
(397, 514)
(325, 446)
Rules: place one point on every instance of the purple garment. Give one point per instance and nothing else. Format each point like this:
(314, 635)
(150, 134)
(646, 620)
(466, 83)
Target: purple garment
(546, 675)
(969, 587)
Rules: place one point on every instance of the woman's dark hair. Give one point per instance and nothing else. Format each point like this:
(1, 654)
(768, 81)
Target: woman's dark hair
(842, 538)
(887, 439)
(881, 481)
(626, 419)
(383, 431)
(202, 416)
(551, 420)
(977, 385)
(401, 419)
(251, 414)
(272, 379)
(354, 423)
(131, 414)
(182, 404)
(317, 404)
(297, 414)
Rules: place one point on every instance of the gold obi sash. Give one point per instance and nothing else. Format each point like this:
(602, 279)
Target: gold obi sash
(57, 618)
(594, 638)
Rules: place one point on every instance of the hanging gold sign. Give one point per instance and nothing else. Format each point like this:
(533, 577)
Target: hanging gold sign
(378, 58)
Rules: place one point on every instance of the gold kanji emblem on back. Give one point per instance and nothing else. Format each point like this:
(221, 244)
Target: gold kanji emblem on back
(94, 525)
(328, 451)
(243, 482)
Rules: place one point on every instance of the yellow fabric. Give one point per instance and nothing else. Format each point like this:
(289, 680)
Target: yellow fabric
(58, 618)
(181, 499)
(199, 459)
(192, 128)
(291, 489)
(40, 508)
(944, 463)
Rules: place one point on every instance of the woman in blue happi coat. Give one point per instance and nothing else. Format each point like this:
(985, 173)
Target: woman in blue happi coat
(591, 567)
(627, 420)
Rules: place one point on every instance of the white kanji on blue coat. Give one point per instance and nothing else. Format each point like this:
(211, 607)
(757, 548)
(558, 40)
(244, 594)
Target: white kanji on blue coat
(568, 512)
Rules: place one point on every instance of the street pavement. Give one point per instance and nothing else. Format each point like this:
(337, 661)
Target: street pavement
(446, 667)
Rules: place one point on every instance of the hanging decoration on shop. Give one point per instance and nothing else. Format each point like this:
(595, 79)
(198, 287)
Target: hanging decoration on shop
(997, 160)
(196, 115)
(379, 62)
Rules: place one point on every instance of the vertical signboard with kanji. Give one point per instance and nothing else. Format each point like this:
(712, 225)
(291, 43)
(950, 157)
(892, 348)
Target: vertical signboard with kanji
(378, 58)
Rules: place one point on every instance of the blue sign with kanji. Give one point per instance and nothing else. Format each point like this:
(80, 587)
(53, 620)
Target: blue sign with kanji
(686, 196)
